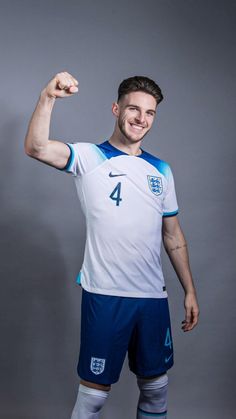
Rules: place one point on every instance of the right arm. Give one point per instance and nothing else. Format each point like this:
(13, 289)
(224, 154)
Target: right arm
(37, 142)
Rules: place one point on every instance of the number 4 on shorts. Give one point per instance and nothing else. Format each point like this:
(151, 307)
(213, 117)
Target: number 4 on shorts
(168, 341)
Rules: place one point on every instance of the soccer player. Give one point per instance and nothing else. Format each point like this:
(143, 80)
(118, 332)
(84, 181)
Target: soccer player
(128, 197)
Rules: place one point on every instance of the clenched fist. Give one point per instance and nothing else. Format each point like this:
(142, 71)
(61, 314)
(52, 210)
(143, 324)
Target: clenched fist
(62, 85)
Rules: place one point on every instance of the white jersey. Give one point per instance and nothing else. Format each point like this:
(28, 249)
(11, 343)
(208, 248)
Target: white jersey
(124, 199)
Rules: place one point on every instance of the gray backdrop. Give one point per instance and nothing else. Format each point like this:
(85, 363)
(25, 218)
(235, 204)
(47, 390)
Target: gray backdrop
(188, 47)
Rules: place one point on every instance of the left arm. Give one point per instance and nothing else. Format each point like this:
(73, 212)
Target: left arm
(176, 248)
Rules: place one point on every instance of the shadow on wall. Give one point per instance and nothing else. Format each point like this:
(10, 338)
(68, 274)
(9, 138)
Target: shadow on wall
(35, 337)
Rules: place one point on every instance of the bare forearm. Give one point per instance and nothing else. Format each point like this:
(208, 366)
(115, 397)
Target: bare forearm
(37, 136)
(176, 248)
(37, 143)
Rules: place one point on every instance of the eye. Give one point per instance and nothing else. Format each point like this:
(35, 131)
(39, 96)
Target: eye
(150, 113)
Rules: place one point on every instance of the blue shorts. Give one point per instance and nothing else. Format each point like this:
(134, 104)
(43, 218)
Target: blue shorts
(111, 326)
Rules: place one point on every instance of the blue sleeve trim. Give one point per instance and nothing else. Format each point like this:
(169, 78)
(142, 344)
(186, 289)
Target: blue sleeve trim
(78, 279)
(70, 159)
(170, 214)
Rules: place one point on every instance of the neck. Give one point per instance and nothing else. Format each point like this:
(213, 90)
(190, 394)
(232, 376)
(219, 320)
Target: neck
(125, 145)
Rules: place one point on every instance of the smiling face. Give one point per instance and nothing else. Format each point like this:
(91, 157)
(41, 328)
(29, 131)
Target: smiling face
(135, 114)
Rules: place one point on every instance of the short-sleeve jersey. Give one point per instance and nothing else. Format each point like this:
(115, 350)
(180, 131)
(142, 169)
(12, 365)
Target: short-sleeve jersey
(123, 198)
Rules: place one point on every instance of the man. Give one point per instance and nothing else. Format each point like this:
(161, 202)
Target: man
(129, 201)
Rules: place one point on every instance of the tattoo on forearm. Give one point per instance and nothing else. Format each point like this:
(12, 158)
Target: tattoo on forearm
(178, 247)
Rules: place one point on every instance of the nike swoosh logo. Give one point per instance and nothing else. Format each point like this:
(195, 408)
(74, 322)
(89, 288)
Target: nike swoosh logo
(167, 359)
(113, 175)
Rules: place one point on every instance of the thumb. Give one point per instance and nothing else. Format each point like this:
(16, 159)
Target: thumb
(73, 89)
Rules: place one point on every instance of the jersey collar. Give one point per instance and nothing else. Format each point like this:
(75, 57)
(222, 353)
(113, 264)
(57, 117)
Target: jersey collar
(115, 151)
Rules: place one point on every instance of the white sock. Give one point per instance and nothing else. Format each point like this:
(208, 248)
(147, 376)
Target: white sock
(153, 398)
(89, 403)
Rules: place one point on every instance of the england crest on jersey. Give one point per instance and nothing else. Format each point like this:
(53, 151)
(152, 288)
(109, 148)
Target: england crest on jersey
(155, 184)
(97, 365)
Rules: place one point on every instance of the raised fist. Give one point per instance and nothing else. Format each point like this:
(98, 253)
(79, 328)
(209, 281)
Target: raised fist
(62, 85)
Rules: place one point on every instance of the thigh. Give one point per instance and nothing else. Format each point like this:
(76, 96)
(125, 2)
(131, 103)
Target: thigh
(106, 327)
(151, 347)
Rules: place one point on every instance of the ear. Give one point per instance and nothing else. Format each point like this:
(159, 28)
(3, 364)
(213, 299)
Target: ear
(115, 109)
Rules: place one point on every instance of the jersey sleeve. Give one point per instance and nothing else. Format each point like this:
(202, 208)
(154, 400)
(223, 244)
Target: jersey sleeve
(84, 157)
(170, 205)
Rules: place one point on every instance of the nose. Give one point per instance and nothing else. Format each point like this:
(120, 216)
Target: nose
(140, 117)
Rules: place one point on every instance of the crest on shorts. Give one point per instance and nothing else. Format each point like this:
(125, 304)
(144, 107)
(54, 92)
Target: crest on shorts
(155, 184)
(97, 365)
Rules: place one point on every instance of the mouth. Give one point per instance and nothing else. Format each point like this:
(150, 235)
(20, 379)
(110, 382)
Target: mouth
(137, 128)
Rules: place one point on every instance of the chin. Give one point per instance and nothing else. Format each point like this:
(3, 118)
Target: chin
(135, 138)
(131, 136)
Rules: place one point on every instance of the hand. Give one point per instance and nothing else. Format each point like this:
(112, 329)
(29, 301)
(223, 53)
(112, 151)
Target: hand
(191, 312)
(62, 85)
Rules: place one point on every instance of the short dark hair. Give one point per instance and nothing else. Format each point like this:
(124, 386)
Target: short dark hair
(140, 83)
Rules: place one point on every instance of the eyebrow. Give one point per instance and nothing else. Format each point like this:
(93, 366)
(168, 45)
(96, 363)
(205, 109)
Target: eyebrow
(138, 107)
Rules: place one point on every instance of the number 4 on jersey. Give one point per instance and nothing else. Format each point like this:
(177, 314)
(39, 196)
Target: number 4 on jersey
(115, 195)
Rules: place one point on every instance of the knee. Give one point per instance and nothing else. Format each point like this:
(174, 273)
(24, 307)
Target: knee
(90, 401)
(89, 384)
(153, 384)
(153, 392)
